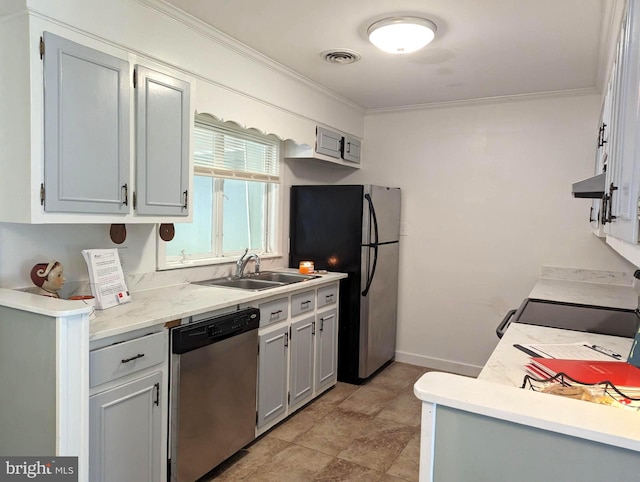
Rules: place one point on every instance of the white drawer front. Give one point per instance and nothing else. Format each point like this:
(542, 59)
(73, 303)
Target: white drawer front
(274, 311)
(327, 295)
(115, 361)
(303, 303)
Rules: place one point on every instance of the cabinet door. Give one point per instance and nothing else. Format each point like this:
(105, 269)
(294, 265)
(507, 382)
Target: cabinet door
(624, 174)
(124, 432)
(272, 375)
(302, 357)
(162, 143)
(86, 129)
(351, 150)
(326, 349)
(328, 142)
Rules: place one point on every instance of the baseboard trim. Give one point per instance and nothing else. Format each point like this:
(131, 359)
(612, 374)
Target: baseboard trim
(465, 369)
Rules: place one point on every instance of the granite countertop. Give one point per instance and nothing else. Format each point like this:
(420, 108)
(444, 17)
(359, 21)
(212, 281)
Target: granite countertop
(160, 305)
(496, 392)
(154, 306)
(586, 287)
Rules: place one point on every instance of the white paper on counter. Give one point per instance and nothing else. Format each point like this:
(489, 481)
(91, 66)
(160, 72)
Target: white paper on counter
(106, 278)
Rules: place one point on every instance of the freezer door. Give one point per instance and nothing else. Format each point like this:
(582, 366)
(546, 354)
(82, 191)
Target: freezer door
(386, 203)
(378, 310)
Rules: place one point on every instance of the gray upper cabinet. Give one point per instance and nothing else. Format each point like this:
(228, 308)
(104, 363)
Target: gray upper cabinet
(351, 149)
(162, 143)
(86, 129)
(328, 142)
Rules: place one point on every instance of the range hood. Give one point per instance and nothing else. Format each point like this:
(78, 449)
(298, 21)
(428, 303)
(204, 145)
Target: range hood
(592, 187)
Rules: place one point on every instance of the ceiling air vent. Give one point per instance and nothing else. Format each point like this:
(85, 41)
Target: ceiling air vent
(341, 56)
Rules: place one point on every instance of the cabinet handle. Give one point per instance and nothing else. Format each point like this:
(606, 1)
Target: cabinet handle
(186, 199)
(286, 340)
(276, 314)
(591, 215)
(313, 327)
(609, 200)
(322, 321)
(127, 360)
(329, 297)
(305, 305)
(157, 400)
(125, 188)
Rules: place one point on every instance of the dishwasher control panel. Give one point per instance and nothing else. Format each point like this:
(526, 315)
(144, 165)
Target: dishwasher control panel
(196, 335)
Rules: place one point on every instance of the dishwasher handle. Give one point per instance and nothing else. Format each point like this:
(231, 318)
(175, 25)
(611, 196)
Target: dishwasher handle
(504, 324)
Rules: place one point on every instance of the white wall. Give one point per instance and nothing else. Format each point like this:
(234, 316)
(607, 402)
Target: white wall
(486, 198)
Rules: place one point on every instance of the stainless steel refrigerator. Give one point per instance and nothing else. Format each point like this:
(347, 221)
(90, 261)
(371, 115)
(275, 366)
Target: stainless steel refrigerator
(353, 229)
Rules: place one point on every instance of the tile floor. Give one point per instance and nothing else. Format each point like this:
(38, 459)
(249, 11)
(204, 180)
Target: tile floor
(365, 432)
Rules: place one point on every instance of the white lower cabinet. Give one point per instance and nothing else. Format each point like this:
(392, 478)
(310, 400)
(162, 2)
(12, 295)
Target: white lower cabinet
(128, 416)
(302, 361)
(298, 354)
(125, 432)
(272, 375)
(326, 349)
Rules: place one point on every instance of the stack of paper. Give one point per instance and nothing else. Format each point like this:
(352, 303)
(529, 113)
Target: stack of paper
(106, 277)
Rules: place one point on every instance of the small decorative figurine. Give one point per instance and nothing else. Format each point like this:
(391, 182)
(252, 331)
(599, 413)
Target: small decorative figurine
(48, 277)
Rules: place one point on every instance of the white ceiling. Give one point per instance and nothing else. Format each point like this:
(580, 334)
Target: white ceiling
(483, 48)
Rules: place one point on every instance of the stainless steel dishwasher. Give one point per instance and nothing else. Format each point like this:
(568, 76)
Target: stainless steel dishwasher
(214, 365)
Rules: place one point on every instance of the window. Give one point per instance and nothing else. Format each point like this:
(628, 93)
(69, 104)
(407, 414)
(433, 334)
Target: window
(235, 197)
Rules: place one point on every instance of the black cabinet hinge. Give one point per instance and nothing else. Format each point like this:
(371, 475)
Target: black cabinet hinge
(42, 194)
(157, 400)
(41, 48)
(135, 78)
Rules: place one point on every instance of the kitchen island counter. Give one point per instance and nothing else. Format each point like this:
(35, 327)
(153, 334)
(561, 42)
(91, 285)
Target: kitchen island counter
(493, 408)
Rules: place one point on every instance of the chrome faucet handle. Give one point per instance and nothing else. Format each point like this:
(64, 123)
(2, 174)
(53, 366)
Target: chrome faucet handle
(240, 264)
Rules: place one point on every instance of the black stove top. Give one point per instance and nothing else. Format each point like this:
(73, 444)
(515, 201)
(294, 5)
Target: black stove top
(569, 316)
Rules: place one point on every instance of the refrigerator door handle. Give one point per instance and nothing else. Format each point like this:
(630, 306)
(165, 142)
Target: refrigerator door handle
(373, 245)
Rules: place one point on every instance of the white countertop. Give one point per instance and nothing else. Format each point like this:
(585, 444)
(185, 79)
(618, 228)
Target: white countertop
(496, 394)
(585, 293)
(158, 306)
(42, 305)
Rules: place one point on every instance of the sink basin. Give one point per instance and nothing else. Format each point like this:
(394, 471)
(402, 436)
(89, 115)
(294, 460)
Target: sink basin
(286, 278)
(242, 283)
(262, 281)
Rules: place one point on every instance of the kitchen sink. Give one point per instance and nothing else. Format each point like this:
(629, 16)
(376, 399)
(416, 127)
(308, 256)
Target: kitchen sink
(242, 283)
(262, 281)
(286, 278)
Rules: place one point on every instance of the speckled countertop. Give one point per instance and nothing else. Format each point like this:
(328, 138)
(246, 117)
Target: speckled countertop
(157, 306)
(587, 287)
(154, 306)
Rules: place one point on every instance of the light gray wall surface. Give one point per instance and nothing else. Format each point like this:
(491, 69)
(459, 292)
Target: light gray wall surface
(473, 447)
(486, 199)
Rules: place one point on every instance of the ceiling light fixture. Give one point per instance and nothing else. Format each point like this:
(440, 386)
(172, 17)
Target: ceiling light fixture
(401, 35)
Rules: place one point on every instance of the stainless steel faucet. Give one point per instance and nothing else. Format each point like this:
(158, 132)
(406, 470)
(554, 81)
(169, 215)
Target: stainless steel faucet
(242, 263)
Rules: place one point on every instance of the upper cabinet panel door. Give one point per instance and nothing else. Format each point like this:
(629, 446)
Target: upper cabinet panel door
(162, 137)
(328, 142)
(86, 129)
(351, 150)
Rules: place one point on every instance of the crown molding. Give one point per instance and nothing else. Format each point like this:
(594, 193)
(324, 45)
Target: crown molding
(211, 33)
(485, 100)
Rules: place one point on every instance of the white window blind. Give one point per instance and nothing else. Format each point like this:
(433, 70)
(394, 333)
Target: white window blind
(219, 151)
